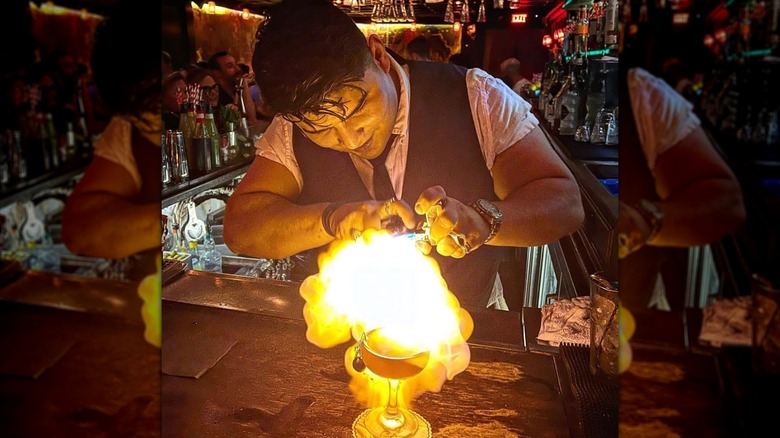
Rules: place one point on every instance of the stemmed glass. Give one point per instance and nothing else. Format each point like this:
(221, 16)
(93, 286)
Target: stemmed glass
(385, 358)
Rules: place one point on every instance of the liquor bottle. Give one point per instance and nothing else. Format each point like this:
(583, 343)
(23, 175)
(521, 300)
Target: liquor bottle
(230, 152)
(570, 106)
(82, 136)
(210, 127)
(17, 158)
(33, 261)
(201, 145)
(195, 256)
(5, 162)
(68, 148)
(212, 259)
(611, 25)
(38, 144)
(243, 126)
(187, 128)
(52, 140)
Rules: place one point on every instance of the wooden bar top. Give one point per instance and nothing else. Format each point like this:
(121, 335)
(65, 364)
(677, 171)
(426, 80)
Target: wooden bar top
(259, 376)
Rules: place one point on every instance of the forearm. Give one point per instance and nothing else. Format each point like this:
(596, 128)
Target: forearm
(701, 213)
(103, 225)
(270, 226)
(540, 212)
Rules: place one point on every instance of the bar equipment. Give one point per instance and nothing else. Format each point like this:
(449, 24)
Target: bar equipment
(604, 340)
(173, 143)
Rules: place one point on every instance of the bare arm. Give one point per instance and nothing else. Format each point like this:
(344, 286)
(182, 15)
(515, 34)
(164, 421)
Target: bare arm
(261, 219)
(100, 221)
(540, 201)
(701, 198)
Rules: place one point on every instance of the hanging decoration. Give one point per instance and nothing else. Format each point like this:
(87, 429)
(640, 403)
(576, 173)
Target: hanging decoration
(465, 14)
(481, 16)
(449, 15)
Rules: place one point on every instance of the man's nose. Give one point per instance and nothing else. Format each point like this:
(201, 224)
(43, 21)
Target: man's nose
(350, 138)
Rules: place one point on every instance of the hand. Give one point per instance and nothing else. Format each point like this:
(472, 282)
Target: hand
(633, 230)
(360, 216)
(450, 219)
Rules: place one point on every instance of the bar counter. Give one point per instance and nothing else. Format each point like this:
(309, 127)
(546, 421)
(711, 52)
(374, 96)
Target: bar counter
(74, 360)
(236, 362)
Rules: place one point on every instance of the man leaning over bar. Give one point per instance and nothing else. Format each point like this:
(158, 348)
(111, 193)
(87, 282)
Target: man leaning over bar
(447, 137)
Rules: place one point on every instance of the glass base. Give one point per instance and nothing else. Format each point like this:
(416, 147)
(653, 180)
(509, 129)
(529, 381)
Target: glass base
(369, 425)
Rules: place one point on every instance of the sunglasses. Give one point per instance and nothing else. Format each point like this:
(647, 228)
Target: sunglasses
(207, 88)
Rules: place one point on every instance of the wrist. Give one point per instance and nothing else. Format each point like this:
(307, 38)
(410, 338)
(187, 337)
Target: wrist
(325, 217)
(653, 215)
(491, 214)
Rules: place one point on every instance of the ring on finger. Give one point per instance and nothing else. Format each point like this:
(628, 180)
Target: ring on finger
(387, 205)
(460, 240)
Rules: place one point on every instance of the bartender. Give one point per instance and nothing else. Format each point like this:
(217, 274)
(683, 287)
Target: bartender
(362, 137)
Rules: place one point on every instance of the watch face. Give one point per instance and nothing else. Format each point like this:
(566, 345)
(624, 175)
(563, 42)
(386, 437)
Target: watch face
(489, 208)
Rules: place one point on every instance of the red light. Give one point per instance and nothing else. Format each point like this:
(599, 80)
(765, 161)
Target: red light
(519, 18)
(708, 40)
(721, 35)
(547, 41)
(559, 35)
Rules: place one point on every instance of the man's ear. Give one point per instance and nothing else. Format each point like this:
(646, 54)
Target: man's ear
(378, 52)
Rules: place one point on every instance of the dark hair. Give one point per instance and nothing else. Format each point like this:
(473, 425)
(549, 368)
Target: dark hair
(125, 71)
(305, 50)
(462, 60)
(244, 68)
(213, 62)
(419, 46)
(196, 75)
(438, 46)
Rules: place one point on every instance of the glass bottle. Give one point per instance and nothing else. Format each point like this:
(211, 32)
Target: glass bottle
(212, 259)
(52, 140)
(201, 145)
(210, 127)
(48, 258)
(570, 104)
(195, 256)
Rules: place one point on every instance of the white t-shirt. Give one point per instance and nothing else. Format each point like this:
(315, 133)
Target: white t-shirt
(114, 145)
(501, 117)
(663, 116)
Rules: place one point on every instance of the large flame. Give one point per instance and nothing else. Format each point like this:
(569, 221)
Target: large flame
(381, 281)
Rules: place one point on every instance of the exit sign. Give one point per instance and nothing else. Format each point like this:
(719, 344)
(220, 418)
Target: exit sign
(519, 18)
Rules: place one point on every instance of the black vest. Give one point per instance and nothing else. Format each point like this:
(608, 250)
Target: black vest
(443, 150)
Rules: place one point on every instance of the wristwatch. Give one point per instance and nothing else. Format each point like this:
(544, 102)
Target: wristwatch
(491, 214)
(653, 214)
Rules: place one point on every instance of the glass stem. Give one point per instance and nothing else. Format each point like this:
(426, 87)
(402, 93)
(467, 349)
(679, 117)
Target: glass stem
(391, 410)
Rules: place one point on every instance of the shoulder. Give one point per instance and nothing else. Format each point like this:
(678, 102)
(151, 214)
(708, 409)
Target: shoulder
(649, 92)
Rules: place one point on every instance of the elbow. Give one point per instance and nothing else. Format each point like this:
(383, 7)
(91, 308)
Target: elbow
(574, 219)
(734, 218)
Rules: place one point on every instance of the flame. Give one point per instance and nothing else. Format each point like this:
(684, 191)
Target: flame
(381, 281)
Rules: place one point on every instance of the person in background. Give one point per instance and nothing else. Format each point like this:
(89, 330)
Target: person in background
(462, 60)
(167, 64)
(439, 51)
(173, 86)
(418, 49)
(510, 71)
(360, 137)
(208, 86)
(227, 74)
